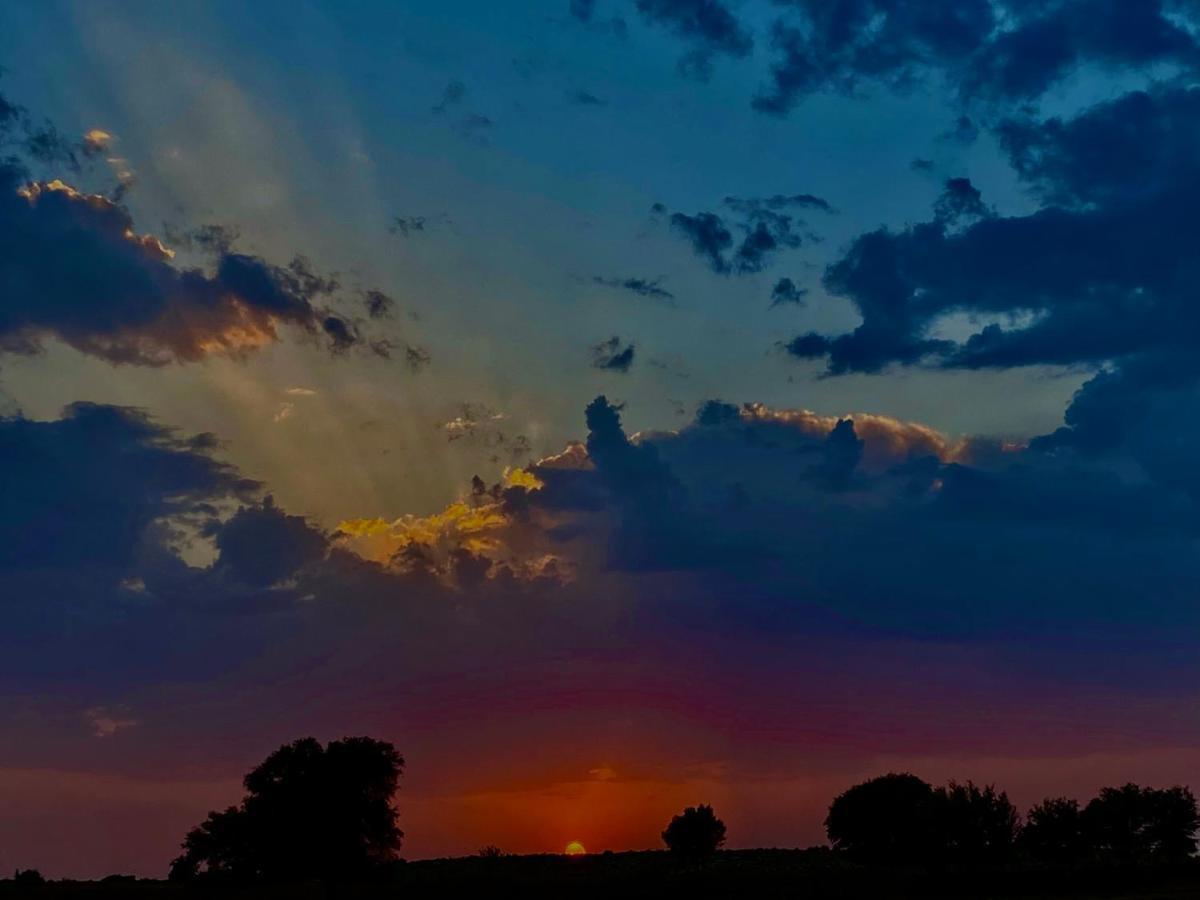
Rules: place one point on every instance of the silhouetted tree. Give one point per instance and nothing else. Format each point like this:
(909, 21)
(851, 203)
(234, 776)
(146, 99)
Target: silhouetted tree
(1132, 823)
(695, 832)
(1053, 832)
(27, 878)
(975, 825)
(309, 812)
(888, 820)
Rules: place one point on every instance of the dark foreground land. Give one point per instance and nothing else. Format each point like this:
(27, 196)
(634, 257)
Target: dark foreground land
(812, 874)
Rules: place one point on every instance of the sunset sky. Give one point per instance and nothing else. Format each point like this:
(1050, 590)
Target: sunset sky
(616, 404)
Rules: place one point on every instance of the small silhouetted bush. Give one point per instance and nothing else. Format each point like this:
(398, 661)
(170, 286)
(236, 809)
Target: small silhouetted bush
(27, 878)
(695, 832)
(490, 851)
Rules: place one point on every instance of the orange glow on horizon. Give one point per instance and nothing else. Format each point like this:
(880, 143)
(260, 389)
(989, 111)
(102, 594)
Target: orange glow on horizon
(575, 848)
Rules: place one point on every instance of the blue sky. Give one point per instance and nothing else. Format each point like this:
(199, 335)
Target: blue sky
(309, 128)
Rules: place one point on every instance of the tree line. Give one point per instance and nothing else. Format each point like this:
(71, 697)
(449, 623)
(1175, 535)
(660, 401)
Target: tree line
(328, 812)
(899, 818)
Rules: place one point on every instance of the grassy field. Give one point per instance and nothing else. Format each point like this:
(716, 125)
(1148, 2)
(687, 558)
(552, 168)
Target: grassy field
(742, 873)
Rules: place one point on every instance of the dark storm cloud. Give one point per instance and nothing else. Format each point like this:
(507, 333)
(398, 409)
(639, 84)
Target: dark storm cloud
(94, 509)
(261, 545)
(749, 522)
(999, 51)
(1100, 273)
(769, 501)
(611, 355)
(643, 287)
(971, 535)
(708, 26)
(1101, 278)
(81, 493)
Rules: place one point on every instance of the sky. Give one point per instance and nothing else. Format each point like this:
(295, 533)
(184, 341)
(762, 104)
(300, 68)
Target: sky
(616, 404)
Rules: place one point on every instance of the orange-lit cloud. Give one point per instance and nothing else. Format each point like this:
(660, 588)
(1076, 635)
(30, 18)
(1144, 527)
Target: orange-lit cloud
(479, 526)
(97, 140)
(80, 272)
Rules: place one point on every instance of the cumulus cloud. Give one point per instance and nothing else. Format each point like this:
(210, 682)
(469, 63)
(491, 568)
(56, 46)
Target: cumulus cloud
(652, 575)
(746, 494)
(1098, 274)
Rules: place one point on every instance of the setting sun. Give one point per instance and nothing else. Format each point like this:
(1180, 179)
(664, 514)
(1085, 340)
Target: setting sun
(575, 849)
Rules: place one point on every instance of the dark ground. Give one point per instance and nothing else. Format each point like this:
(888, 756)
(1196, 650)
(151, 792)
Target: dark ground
(814, 874)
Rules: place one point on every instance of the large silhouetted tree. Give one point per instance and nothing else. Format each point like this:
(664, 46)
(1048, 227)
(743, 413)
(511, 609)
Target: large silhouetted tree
(889, 820)
(1132, 823)
(309, 812)
(974, 825)
(695, 832)
(1053, 832)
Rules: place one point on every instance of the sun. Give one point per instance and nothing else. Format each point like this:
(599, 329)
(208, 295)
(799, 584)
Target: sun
(575, 848)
